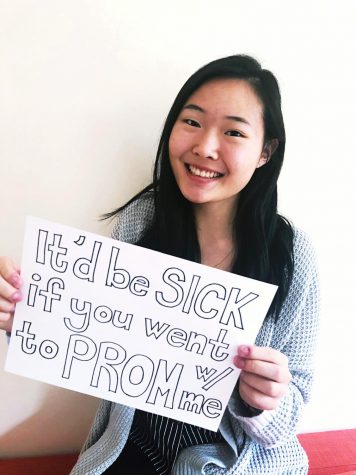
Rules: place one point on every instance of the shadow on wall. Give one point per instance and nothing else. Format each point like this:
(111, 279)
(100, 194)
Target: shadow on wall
(59, 426)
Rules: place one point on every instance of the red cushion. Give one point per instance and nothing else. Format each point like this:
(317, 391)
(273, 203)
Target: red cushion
(331, 452)
(44, 465)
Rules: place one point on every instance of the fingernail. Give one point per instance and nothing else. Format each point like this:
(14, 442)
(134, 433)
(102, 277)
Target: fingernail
(244, 350)
(15, 280)
(16, 296)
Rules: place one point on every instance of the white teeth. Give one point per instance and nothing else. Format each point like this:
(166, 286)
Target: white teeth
(203, 173)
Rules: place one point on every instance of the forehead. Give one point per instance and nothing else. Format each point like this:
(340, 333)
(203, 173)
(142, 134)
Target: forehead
(228, 97)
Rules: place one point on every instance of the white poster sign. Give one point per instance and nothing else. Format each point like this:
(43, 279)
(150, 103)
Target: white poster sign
(132, 325)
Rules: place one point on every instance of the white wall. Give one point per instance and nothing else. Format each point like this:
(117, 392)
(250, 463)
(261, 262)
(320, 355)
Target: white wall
(84, 89)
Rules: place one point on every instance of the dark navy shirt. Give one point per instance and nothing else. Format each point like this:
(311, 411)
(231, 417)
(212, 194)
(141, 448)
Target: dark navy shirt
(155, 441)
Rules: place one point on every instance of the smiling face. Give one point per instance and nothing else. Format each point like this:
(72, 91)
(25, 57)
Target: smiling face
(216, 143)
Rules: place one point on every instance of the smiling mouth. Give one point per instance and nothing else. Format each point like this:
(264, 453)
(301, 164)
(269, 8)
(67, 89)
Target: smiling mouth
(202, 173)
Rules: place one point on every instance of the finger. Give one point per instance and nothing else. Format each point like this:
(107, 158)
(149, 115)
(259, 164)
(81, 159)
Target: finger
(263, 385)
(10, 272)
(267, 370)
(263, 353)
(8, 292)
(256, 399)
(5, 317)
(6, 321)
(6, 306)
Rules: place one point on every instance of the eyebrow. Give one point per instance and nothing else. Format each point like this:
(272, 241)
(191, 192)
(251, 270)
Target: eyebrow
(235, 118)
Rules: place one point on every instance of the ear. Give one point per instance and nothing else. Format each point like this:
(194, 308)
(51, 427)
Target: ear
(268, 150)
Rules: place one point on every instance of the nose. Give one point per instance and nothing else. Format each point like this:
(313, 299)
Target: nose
(207, 146)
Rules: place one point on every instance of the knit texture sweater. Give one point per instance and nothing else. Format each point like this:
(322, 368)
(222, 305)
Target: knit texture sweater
(264, 444)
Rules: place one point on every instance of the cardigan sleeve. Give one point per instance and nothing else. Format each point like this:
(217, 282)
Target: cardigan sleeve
(294, 334)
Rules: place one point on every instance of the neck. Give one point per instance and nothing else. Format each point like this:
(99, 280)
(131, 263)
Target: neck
(214, 223)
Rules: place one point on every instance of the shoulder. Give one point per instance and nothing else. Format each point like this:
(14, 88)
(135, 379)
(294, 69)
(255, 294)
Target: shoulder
(134, 219)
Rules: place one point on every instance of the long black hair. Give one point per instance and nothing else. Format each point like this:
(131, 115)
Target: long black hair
(264, 238)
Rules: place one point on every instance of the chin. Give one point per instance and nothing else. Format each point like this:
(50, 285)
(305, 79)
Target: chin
(193, 198)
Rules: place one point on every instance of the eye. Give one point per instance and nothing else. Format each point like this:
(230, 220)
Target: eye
(234, 133)
(191, 122)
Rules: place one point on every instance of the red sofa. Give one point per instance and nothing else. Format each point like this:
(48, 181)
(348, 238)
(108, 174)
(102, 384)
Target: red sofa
(329, 453)
(332, 452)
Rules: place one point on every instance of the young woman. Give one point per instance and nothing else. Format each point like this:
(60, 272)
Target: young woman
(213, 200)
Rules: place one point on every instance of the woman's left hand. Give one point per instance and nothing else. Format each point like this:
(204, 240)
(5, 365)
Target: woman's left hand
(264, 377)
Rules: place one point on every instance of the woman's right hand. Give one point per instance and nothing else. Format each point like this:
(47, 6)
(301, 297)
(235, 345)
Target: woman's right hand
(10, 292)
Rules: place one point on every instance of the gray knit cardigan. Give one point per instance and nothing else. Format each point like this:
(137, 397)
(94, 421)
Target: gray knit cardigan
(264, 444)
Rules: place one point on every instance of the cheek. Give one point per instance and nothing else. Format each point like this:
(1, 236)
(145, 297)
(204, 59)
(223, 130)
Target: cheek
(173, 140)
(171, 148)
(174, 152)
(244, 159)
(179, 142)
